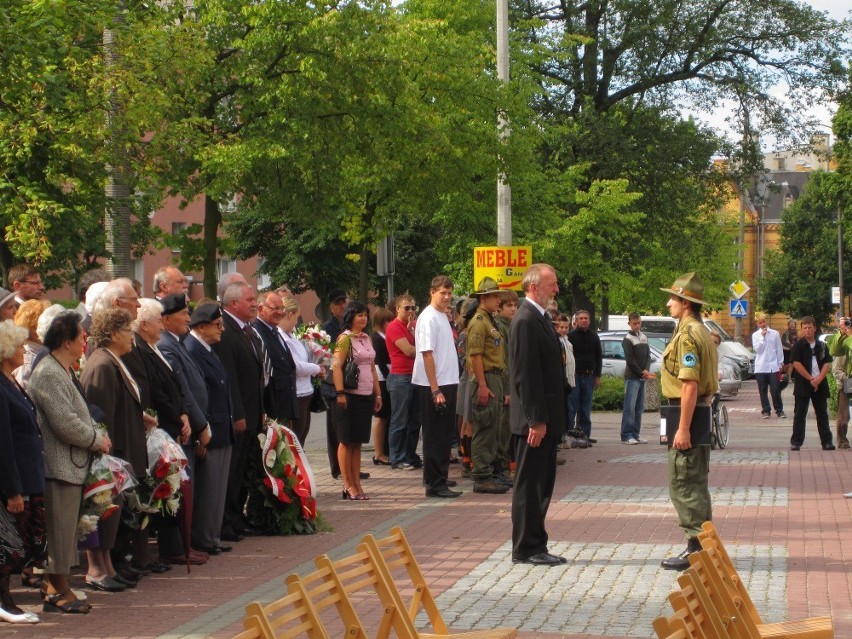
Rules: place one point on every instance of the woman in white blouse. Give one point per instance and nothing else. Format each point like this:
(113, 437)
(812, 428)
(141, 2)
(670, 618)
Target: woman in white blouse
(305, 369)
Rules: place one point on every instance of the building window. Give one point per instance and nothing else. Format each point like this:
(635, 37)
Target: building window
(263, 280)
(224, 265)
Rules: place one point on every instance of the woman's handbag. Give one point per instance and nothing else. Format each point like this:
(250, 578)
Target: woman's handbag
(351, 372)
(318, 404)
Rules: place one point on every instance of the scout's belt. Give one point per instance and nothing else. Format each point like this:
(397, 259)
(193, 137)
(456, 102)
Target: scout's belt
(704, 399)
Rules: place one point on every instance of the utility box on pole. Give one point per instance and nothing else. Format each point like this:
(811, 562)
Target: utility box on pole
(385, 262)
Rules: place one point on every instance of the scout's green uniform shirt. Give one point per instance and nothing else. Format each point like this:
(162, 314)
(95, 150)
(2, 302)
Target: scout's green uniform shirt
(484, 339)
(690, 356)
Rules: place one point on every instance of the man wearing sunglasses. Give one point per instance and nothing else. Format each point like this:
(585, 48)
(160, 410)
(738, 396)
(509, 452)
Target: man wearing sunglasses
(404, 429)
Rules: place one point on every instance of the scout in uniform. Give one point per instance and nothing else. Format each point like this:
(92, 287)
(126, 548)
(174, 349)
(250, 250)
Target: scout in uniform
(486, 362)
(689, 378)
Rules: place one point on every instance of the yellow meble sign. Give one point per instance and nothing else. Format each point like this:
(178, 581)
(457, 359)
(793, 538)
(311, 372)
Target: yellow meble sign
(506, 264)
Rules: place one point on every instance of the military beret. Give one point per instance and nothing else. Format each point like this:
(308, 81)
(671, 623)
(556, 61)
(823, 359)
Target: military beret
(173, 303)
(205, 314)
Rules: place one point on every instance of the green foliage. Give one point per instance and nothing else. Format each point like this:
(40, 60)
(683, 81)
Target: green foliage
(609, 395)
(799, 277)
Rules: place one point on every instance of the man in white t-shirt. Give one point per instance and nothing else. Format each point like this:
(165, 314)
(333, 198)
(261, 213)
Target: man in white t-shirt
(436, 378)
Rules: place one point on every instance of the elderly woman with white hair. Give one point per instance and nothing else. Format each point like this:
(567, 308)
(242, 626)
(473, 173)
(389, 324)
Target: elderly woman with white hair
(70, 436)
(23, 543)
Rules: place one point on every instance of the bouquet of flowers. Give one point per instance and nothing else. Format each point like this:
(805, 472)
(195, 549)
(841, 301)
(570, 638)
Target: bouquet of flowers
(160, 490)
(317, 342)
(288, 485)
(108, 476)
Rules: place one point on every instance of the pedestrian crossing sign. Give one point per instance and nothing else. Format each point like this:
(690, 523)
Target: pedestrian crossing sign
(739, 308)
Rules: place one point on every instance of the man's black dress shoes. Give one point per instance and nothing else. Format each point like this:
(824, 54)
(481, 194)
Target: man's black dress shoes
(541, 559)
(215, 550)
(230, 536)
(445, 493)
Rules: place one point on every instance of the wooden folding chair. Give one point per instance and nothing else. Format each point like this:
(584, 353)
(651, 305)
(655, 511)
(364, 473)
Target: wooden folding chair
(333, 583)
(712, 543)
(286, 618)
(394, 554)
(731, 608)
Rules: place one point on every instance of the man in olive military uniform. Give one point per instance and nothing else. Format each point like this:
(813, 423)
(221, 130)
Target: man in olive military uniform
(689, 378)
(486, 362)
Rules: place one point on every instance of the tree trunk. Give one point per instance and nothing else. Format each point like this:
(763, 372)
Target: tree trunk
(604, 311)
(7, 261)
(579, 300)
(212, 221)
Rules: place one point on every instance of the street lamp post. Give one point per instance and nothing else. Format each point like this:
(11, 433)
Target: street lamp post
(504, 191)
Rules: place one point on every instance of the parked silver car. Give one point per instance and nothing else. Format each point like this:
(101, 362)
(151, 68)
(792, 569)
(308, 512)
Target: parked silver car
(614, 364)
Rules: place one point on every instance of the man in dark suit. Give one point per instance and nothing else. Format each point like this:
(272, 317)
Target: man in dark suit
(241, 351)
(537, 415)
(214, 459)
(283, 405)
(175, 326)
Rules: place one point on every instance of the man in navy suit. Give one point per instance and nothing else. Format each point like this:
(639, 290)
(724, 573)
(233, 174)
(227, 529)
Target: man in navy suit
(284, 403)
(175, 326)
(537, 415)
(241, 352)
(214, 459)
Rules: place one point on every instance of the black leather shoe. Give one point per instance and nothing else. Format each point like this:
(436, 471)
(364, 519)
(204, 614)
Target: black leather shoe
(794, 447)
(446, 493)
(251, 531)
(451, 483)
(828, 447)
(230, 536)
(681, 562)
(541, 559)
(364, 475)
(210, 550)
(125, 579)
(592, 441)
(222, 548)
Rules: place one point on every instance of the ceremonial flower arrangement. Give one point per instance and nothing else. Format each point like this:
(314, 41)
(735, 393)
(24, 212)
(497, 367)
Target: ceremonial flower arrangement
(159, 492)
(317, 342)
(108, 476)
(288, 485)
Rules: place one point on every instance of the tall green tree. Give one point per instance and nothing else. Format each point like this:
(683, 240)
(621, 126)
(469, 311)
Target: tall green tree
(612, 77)
(799, 276)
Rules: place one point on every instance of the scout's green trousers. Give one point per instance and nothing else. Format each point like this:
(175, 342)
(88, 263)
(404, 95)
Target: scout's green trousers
(487, 424)
(688, 473)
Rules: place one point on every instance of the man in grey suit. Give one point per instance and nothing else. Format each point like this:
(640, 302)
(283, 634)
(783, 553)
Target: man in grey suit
(537, 415)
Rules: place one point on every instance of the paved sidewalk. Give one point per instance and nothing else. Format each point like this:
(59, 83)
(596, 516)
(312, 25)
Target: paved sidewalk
(781, 513)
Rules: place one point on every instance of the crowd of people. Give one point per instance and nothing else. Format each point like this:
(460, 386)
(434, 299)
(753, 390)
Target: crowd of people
(466, 379)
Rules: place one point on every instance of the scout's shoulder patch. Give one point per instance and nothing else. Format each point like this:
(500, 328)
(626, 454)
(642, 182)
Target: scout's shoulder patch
(689, 357)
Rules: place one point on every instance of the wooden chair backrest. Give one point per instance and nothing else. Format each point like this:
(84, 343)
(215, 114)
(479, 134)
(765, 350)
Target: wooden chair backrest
(724, 601)
(396, 554)
(709, 538)
(358, 575)
(286, 618)
(693, 602)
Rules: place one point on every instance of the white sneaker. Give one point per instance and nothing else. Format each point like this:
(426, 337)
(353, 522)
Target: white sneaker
(631, 442)
(847, 495)
(641, 441)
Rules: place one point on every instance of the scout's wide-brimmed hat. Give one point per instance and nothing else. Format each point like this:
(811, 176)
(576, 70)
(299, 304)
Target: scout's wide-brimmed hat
(688, 286)
(487, 285)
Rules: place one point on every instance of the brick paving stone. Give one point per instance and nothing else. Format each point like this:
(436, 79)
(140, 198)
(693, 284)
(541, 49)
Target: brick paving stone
(717, 457)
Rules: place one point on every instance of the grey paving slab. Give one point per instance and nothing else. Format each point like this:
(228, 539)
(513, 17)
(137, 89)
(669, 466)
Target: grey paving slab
(608, 590)
(732, 457)
(646, 496)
